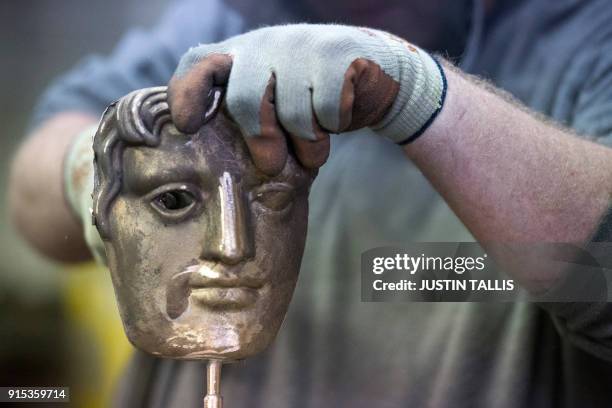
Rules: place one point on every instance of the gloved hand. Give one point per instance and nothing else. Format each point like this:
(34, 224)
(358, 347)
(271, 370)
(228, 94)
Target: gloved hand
(78, 188)
(309, 80)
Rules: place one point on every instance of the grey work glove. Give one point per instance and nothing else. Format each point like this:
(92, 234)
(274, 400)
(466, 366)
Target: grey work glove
(78, 188)
(305, 81)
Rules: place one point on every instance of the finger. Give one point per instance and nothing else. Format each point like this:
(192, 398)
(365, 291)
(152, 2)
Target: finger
(190, 86)
(312, 154)
(269, 148)
(326, 99)
(294, 106)
(367, 95)
(246, 90)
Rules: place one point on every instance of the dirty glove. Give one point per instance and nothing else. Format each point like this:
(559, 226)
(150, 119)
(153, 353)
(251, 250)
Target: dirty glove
(78, 188)
(309, 80)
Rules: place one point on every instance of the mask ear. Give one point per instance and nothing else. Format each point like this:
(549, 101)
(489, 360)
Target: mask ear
(108, 149)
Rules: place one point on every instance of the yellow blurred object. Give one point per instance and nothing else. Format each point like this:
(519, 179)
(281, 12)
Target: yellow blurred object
(98, 349)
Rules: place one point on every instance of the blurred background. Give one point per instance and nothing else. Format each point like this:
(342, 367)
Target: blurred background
(58, 326)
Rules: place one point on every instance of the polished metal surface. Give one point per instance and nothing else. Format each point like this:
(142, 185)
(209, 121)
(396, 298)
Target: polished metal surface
(204, 250)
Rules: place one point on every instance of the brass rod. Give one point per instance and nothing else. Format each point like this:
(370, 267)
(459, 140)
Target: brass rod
(213, 398)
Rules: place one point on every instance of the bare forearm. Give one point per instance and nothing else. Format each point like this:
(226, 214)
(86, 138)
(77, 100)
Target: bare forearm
(36, 192)
(510, 176)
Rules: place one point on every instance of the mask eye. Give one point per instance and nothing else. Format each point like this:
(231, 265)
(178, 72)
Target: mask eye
(275, 197)
(174, 202)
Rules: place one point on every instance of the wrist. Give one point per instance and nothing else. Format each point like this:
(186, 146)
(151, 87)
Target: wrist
(455, 120)
(422, 93)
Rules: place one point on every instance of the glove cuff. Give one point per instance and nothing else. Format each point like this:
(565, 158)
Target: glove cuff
(421, 95)
(78, 188)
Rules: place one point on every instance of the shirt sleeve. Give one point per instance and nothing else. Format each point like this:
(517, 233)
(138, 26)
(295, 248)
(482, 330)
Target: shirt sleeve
(588, 325)
(593, 109)
(142, 58)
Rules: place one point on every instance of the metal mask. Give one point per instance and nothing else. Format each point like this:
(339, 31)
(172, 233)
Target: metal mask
(204, 250)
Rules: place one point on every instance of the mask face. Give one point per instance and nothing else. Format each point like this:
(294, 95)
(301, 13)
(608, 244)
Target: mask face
(204, 250)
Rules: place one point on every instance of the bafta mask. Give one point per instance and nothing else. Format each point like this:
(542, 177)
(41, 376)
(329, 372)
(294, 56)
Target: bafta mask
(204, 250)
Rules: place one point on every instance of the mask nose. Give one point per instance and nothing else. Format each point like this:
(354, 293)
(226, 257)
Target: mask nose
(229, 238)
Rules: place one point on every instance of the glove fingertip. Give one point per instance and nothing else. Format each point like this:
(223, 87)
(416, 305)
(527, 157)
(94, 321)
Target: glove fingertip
(187, 100)
(269, 154)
